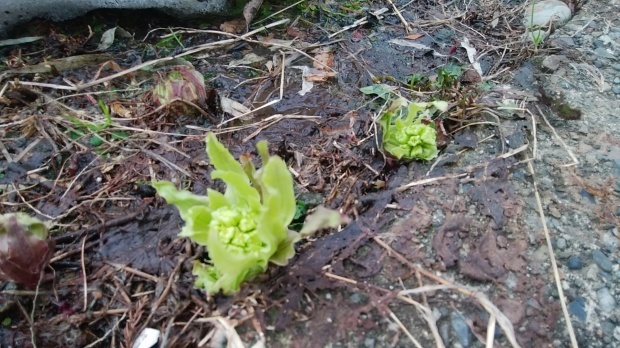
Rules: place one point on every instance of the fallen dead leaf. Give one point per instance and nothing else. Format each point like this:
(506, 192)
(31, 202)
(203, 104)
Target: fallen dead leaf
(250, 10)
(248, 59)
(235, 26)
(108, 37)
(118, 109)
(320, 77)
(323, 59)
(62, 64)
(357, 35)
(414, 36)
(234, 108)
(471, 76)
(472, 55)
(296, 33)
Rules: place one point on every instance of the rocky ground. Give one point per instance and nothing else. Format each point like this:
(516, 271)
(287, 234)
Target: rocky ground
(581, 201)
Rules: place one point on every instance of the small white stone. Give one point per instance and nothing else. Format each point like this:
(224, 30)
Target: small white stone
(147, 338)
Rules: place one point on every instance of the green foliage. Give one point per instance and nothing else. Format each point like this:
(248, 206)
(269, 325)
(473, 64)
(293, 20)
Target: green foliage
(301, 209)
(536, 33)
(82, 128)
(414, 80)
(246, 227)
(171, 42)
(383, 91)
(447, 76)
(308, 10)
(405, 135)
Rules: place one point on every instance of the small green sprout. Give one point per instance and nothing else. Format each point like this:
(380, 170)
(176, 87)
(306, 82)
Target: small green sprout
(246, 227)
(405, 136)
(447, 76)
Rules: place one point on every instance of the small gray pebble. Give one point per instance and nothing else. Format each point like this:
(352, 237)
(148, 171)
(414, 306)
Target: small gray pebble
(602, 52)
(609, 241)
(444, 331)
(598, 64)
(601, 261)
(578, 308)
(605, 300)
(574, 262)
(369, 342)
(617, 80)
(616, 89)
(616, 66)
(356, 298)
(461, 329)
(598, 43)
(561, 243)
(608, 328)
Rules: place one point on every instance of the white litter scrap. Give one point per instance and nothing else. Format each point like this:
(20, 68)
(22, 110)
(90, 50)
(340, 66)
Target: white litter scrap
(234, 108)
(108, 37)
(147, 338)
(248, 59)
(417, 46)
(471, 54)
(409, 43)
(306, 86)
(19, 41)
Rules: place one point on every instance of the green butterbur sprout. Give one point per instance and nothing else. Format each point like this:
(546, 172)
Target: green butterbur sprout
(24, 248)
(246, 227)
(404, 134)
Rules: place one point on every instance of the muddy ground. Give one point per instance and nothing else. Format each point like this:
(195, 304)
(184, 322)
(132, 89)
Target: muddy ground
(529, 165)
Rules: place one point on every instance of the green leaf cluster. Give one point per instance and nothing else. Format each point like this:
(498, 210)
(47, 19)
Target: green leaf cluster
(405, 136)
(246, 227)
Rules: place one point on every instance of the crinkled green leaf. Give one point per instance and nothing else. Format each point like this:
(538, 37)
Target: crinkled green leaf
(263, 151)
(286, 249)
(216, 200)
(404, 135)
(277, 182)
(183, 200)
(235, 266)
(220, 157)
(239, 191)
(197, 224)
(207, 277)
(278, 202)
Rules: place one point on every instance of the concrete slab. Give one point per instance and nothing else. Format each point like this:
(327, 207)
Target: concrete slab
(14, 12)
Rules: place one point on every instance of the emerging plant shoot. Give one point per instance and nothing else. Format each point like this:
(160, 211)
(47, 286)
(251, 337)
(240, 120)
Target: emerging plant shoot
(246, 227)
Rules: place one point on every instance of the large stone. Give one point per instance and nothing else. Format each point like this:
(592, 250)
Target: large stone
(539, 17)
(545, 13)
(14, 12)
